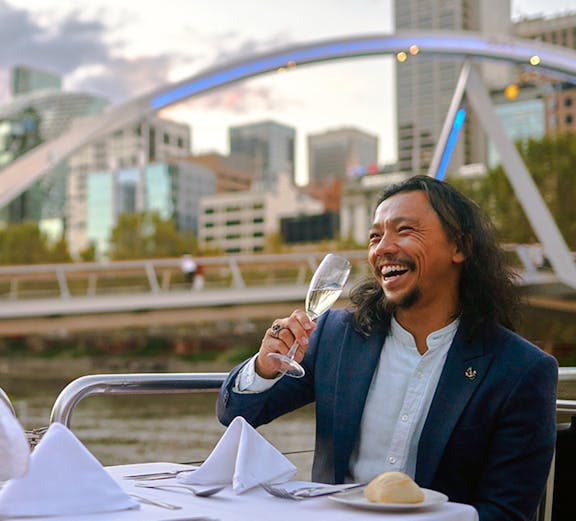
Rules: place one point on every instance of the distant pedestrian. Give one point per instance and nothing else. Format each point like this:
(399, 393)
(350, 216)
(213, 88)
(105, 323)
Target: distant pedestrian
(189, 267)
(199, 278)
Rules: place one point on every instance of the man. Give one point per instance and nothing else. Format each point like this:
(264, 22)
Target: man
(424, 375)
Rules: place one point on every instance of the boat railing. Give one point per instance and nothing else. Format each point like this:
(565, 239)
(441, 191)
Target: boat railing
(166, 383)
(6, 401)
(137, 383)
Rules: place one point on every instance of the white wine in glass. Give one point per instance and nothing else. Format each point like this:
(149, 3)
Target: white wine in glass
(325, 287)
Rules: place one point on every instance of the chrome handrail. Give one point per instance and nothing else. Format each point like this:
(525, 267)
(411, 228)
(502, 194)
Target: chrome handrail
(4, 398)
(139, 383)
(158, 383)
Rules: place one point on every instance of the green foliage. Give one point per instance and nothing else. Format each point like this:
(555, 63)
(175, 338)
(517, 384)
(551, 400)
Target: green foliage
(88, 254)
(146, 235)
(24, 243)
(552, 164)
(59, 251)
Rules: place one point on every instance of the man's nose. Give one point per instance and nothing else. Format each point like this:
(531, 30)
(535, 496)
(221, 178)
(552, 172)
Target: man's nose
(387, 244)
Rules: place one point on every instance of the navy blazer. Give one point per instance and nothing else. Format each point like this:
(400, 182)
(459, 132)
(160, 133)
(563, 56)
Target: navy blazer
(490, 433)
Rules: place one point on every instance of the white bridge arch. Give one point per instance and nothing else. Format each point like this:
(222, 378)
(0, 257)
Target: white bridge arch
(551, 60)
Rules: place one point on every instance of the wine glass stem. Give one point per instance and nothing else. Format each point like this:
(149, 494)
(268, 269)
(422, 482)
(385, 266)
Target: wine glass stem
(292, 351)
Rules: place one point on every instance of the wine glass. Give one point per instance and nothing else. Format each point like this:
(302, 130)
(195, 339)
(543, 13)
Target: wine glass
(325, 287)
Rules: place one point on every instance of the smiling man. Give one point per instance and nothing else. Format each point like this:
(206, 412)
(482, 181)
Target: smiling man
(424, 375)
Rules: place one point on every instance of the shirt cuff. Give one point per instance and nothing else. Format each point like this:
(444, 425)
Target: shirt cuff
(249, 381)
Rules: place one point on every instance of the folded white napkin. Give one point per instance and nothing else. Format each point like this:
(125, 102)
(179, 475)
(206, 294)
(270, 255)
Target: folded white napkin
(63, 478)
(244, 458)
(14, 447)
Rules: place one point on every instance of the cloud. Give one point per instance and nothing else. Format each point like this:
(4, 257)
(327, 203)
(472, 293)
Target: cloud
(80, 50)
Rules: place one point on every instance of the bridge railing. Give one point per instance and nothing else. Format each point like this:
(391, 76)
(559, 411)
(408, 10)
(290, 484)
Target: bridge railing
(165, 275)
(161, 275)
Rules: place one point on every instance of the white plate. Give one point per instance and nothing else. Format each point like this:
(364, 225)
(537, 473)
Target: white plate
(355, 498)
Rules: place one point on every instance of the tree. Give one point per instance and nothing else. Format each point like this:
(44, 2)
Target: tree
(146, 235)
(551, 162)
(23, 243)
(130, 237)
(59, 251)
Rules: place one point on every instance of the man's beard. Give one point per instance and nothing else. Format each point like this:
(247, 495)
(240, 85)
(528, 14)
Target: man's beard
(405, 302)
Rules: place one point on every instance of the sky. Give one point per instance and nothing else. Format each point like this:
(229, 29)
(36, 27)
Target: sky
(123, 48)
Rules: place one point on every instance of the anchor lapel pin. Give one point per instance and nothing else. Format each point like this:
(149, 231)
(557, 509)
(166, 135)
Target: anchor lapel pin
(470, 373)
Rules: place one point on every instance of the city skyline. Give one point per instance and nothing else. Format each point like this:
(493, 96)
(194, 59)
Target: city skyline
(120, 50)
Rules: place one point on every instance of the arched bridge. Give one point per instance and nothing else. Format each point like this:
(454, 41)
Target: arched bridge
(555, 61)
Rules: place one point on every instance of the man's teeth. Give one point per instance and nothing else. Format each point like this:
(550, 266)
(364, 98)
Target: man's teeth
(393, 269)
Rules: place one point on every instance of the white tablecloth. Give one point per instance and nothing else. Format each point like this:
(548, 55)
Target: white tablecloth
(255, 504)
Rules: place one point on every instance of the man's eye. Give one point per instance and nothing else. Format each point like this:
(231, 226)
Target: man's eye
(373, 236)
(405, 228)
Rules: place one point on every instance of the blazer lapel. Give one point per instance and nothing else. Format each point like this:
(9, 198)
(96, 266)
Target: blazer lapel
(358, 360)
(465, 368)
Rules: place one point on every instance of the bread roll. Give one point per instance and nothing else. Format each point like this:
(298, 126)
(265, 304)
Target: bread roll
(393, 487)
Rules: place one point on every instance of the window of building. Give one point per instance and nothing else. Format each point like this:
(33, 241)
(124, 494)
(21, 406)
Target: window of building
(233, 222)
(567, 102)
(209, 210)
(258, 234)
(233, 236)
(568, 119)
(209, 225)
(166, 138)
(180, 142)
(257, 220)
(209, 238)
(230, 209)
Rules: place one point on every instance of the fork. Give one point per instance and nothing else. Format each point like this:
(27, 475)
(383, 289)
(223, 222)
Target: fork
(206, 492)
(308, 491)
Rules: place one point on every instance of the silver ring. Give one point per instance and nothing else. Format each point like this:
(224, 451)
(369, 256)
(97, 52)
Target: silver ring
(275, 329)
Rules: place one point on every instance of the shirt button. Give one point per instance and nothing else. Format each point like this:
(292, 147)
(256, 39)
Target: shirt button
(419, 374)
(404, 417)
(392, 459)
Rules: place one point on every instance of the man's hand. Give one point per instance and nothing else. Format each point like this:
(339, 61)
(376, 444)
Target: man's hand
(279, 338)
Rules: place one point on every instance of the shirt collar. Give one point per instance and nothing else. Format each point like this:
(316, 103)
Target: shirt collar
(441, 337)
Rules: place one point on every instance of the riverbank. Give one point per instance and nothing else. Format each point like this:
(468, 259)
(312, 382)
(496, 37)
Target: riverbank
(30, 367)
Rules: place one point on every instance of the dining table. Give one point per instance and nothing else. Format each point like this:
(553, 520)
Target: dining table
(254, 504)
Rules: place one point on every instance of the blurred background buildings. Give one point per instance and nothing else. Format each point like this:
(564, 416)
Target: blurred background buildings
(236, 202)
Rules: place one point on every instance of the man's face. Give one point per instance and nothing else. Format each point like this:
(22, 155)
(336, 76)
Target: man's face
(412, 258)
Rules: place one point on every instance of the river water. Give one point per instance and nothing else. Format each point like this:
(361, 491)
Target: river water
(131, 429)
(172, 427)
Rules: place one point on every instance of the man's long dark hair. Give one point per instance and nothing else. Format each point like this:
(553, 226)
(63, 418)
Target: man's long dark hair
(487, 292)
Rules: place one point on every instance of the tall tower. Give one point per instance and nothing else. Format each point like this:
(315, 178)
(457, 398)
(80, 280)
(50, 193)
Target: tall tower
(340, 153)
(270, 146)
(425, 85)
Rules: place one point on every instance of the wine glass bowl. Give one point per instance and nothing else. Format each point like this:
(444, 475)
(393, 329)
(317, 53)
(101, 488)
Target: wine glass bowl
(325, 287)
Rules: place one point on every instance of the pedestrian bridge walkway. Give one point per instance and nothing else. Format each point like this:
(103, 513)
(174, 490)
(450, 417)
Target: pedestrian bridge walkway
(94, 296)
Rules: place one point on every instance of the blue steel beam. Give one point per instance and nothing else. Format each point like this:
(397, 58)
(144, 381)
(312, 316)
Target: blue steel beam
(20, 174)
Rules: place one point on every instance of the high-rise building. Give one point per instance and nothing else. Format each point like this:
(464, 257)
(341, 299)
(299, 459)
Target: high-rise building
(173, 190)
(40, 112)
(557, 30)
(425, 85)
(29, 79)
(270, 146)
(151, 140)
(340, 153)
(561, 98)
(522, 114)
